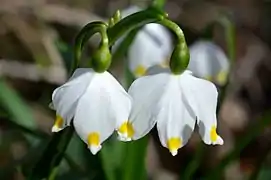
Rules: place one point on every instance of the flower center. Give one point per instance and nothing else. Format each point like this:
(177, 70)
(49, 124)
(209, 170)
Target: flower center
(213, 134)
(93, 139)
(127, 129)
(174, 144)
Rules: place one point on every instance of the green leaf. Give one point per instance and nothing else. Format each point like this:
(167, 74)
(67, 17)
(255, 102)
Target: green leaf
(134, 161)
(265, 174)
(16, 107)
(47, 165)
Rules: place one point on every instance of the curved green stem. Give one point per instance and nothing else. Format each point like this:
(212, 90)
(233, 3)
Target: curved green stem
(83, 36)
(132, 22)
(174, 28)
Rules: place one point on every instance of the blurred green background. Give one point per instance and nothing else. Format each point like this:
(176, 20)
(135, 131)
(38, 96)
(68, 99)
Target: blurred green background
(36, 38)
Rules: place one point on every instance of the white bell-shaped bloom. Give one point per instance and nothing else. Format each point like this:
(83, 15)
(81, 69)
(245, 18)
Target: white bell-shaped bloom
(97, 103)
(208, 61)
(151, 46)
(176, 103)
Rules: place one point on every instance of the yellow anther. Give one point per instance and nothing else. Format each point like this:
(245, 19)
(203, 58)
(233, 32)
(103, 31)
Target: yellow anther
(93, 139)
(59, 121)
(221, 77)
(127, 128)
(213, 134)
(174, 144)
(140, 70)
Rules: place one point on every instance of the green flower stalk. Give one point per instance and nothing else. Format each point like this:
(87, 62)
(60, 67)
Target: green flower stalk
(179, 59)
(101, 58)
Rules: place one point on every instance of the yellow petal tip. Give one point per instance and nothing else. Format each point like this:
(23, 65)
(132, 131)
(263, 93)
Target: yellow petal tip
(56, 129)
(126, 131)
(215, 138)
(174, 153)
(94, 149)
(173, 145)
(93, 139)
(58, 126)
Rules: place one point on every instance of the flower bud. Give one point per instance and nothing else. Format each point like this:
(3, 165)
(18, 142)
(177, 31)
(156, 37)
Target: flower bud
(179, 59)
(117, 16)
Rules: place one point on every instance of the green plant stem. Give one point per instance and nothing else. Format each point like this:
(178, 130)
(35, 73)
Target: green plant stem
(81, 39)
(52, 156)
(230, 37)
(133, 21)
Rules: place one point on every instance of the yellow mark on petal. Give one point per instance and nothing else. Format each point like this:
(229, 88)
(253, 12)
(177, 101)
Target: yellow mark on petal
(58, 125)
(221, 77)
(174, 144)
(213, 134)
(208, 77)
(127, 128)
(140, 70)
(93, 139)
(59, 121)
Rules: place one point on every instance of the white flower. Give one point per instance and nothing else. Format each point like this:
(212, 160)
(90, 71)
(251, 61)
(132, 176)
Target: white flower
(175, 103)
(151, 46)
(208, 61)
(97, 103)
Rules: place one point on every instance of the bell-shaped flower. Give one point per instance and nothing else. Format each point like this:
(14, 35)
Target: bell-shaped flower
(96, 102)
(151, 46)
(208, 61)
(175, 103)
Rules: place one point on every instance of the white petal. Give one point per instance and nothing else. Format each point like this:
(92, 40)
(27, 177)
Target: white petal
(146, 91)
(121, 108)
(158, 69)
(152, 46)
(207, 60)
(202, 96)
(175, 121)
(99, 110)
(64, 98)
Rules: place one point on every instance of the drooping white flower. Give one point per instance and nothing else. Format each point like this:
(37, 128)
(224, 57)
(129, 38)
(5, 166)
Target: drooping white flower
(176, 103)
(151, 46)
(208, 61)
(97, 103)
